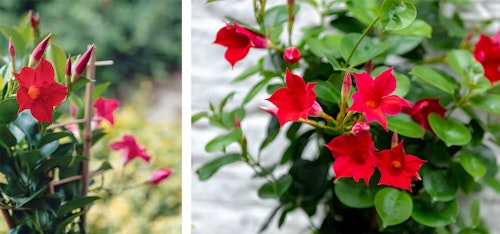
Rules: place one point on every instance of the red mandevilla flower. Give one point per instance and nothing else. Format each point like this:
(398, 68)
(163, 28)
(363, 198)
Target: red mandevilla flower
(238, 41)
(38, 91)
(160, 175)
(105, 108)
(373, 97)
(353, 156)
(131, 149)
(487, 52)
(291, 55)
(421, 110)
(397, 168)
(295, 101)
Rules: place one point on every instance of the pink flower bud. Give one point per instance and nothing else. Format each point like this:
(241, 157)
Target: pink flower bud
(394, 139)
(271, 110)
(237, 121)
(291, 55)
(315, 110)
(360, 128)
(369, 66)
(346, 86)
(160, 175)
(38, 51)
(12, 49)
(81, 64)
(34, 20)
(67, 70)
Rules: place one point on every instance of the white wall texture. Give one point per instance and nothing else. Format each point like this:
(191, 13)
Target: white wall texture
(228, 202)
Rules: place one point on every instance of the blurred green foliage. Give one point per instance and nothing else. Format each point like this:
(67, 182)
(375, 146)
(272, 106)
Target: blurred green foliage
(143, 38)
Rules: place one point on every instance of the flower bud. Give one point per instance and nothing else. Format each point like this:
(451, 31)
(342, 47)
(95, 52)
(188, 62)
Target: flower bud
(38, 51)
(67, 70)
(160, 175)
(315, 110)
(81, 64)
(34, 20)
(291, 55)
(369, 66)
(271, 110)
(360, 128)
(12, 49)
(394, 139)
(346, 87)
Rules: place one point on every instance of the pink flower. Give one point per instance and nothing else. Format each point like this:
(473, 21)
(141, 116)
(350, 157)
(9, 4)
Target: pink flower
(160, 175)
(238, 41)
(487, 52)
(131, 149)
(373, 99)
(353, 156)
(421, 110)
(105, 108)
(396, 168)
(38, 91)
(291, 55)
(295, 101)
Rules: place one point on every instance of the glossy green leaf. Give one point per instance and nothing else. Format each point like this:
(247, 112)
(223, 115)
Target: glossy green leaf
(256, 89)
(494, 184)
(221, 142)
(397, 14)
(277, 15)
(208, 169)
(248, 72)
(8, 110)
(354, 194)
(441, 184)
(55, 55)
(366, 50)
(7, 140)
(80, 83)
(475, 212)
(198, 116)
(53, 136)
(28, 126)
(75, 204)
(434, 214)
(328, 47)
(394, 206)
(400, 44)
(404, 125)
(17, 39)
(489, 103)
(449, 130)
(468, 68)
(325, 91)
(433, 78)
(473, 166)
(418, 28)
(365, 11)
(275, 189)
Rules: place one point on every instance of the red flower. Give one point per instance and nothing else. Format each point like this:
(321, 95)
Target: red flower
(421, 110)
(487, 52)
(295, 101)
(353, 156)
(131, 149)
(397, 169)
(105, 108)
(291, 55)
(160, 175)
(38, 91)
(238, 41)
(373, 97)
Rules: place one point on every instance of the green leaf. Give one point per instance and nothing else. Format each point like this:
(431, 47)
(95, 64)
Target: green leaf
(99, 90)
(69, 206)
(366, 50)
(269, 218)
(57, 57)
(434, 214)
(208, 169)
(393, 206)
(325, 90)
(255, 89)
(28, 126)
(468, 68)
(273, 128)
(354, 194)
(17, 39)
(433, 78)
(248, 72)
(399, 44)
(441, 184)
(365, 11)
(418, 28)
(474, 212)
(67, 221)
(397, 14)
(53, 136)
(8, 110)
(278, 15)
(450, 131)
(404, 125)
(488, 103)
(275, 189)
(473, 166)
(494, 184)
(80, 83)
(221, 142)
(198, 116)
(6, 138)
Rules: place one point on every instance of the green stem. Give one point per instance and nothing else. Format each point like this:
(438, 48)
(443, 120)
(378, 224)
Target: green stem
(360, 39)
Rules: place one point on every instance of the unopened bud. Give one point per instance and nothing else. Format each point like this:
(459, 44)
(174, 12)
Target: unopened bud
(360, 128)
(160, 175)
(346, 87)
(315, 110)
(12, 49)
(369, 66)
(81, 64)
(291, 55)
(34, 20)
(67, 70)
(38, 51)
(271, 110)
(237, 122)
(394, 139)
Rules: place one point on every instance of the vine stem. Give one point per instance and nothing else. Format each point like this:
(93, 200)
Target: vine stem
(360, 39)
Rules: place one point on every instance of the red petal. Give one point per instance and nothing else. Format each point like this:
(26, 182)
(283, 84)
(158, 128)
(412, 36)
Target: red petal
(44, 71)
(385, 83)
(231, 38)
(55, 93)
(412, 165)
(378, 115)
(26, 77)
(235, 54)
(365, 84)
(23, 99)
(393, 104)
(42, 111)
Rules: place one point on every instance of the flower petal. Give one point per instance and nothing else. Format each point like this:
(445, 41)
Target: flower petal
(393, 104)
(235, 54)
(44, 72)
(42, 111)
(385, 83)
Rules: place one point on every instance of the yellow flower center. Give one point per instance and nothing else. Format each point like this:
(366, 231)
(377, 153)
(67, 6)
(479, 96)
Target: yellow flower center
(371, 104)
(396, 165)
(33, 92)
